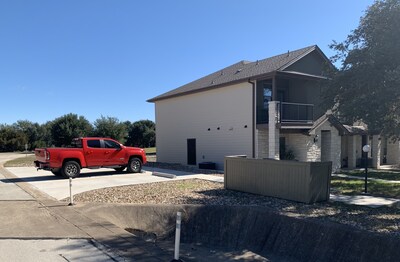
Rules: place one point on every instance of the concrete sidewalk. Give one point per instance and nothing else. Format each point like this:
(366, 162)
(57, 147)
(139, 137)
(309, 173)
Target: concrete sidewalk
(366, 200)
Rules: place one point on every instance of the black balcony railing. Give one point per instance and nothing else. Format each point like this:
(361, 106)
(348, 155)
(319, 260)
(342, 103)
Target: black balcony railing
(296, 113)
(288, 113)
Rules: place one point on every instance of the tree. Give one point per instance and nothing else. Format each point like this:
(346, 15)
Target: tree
(32, 131)
(67, 127)
(142, 133)
(45, 135)
(11, 139)
(367, 86)
(110, 127)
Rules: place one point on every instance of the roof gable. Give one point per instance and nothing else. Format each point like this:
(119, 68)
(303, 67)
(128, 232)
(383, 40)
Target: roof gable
(239, 72)
(313, 63)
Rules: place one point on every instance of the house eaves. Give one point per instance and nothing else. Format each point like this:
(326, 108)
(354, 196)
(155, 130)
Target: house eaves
(301, 74)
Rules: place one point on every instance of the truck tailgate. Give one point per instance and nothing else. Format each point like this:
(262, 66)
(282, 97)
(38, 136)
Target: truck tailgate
(41, 154)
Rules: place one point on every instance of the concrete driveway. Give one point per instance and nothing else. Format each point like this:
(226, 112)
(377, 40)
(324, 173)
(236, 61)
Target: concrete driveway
(58, 187)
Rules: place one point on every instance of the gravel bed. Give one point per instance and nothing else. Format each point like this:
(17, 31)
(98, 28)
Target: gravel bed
(197, 191)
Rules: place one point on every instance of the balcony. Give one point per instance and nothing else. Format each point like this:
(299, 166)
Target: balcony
(289, 113)
(295, 113)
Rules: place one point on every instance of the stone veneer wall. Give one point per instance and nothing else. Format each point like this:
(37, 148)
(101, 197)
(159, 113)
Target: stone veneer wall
(262, 137)
(304, 147)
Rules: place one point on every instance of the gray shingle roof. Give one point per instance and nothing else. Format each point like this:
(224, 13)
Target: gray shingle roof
(239, 72)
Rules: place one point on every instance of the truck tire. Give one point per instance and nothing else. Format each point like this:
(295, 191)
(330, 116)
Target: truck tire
(70, 169)
(134, 165)
(56, 171)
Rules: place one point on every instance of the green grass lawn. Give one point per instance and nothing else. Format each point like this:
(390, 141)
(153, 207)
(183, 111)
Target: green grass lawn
(347, 186)
(374, 173)
(22, 161)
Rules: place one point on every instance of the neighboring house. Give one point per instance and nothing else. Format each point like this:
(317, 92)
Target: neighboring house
(263, 109)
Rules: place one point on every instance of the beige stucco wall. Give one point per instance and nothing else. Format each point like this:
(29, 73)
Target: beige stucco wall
(190, 116)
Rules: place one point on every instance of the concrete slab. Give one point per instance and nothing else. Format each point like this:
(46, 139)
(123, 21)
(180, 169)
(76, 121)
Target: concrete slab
(365, 200)
(53, 250)
(11, 192)
(30, 219)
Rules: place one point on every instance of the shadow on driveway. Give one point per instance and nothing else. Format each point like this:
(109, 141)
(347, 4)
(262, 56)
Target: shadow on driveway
(53, 177)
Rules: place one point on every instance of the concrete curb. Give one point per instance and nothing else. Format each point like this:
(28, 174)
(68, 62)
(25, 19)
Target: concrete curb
(166, 175)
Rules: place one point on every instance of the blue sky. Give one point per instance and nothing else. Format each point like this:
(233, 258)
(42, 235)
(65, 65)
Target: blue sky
(96, 57)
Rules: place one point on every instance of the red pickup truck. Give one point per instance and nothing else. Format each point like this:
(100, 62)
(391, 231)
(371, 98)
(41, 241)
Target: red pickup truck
(90, 152)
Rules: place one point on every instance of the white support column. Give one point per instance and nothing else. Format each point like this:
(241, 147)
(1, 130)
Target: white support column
(273, 132)
(352, 148)
(376, 151)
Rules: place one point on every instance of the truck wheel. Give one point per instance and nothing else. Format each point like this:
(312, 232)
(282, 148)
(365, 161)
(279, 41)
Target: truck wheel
(134, 165)
(71, 169)
(56, 171)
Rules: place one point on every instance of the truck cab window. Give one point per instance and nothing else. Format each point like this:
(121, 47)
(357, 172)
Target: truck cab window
(93, 143)
(76, 143)
(111, 144)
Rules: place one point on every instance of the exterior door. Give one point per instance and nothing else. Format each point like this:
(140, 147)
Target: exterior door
(94, 153)
(191, 151)
(113, 153)
(326, 146)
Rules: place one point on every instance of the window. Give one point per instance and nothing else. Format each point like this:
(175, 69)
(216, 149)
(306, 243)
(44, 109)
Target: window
(76, 143)
(267, 94)
(93, 143)
(111, 144)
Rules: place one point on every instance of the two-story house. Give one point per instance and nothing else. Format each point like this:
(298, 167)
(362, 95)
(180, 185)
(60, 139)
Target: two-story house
(268, 108)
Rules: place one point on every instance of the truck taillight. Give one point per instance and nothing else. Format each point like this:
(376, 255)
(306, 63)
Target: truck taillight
(47, 155)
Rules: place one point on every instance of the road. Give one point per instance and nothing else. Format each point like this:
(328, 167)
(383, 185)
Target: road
(31, 232)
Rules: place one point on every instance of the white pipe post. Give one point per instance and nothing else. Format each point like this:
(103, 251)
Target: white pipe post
(177, 235)
(71, 197)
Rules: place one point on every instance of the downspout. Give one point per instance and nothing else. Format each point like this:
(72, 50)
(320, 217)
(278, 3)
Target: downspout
(253, 124)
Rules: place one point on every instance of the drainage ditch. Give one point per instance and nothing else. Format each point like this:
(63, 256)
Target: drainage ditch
(258, 231)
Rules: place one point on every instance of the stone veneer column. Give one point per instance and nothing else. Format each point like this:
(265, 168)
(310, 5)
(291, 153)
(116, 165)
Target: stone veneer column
(273, 132)
(352, 148)
(376, 151)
